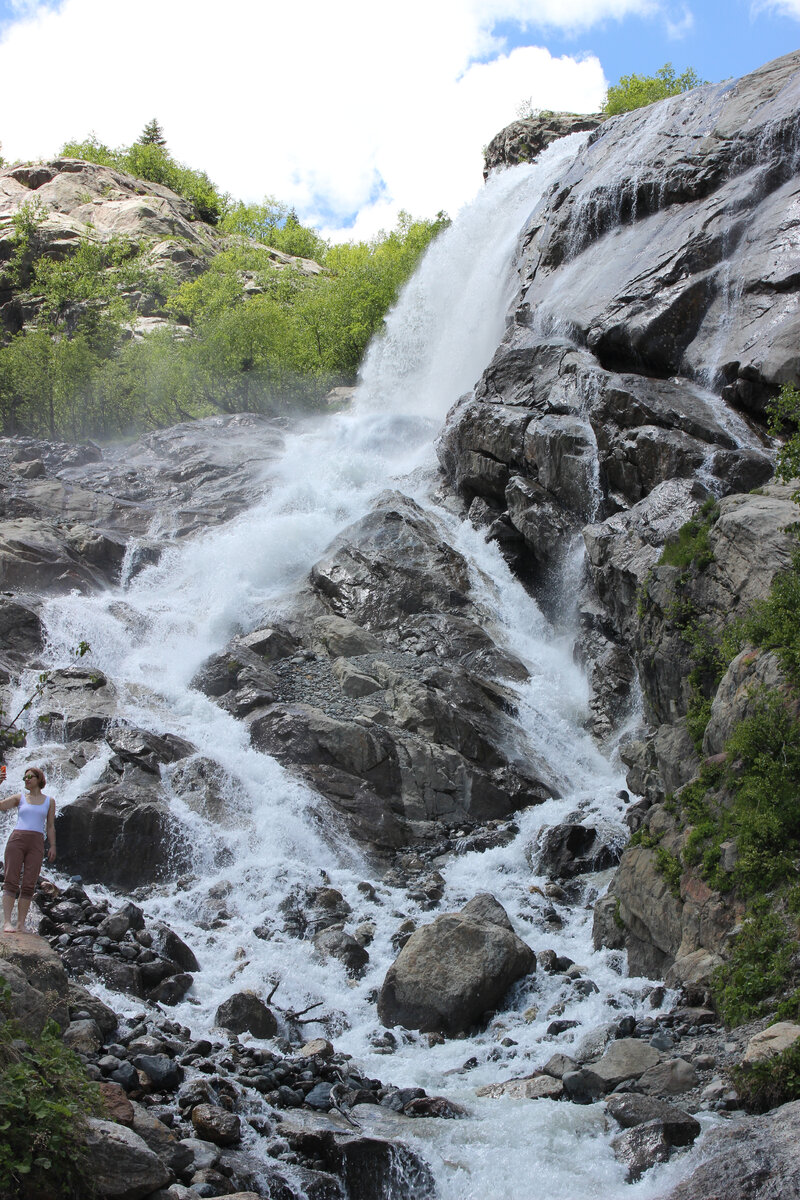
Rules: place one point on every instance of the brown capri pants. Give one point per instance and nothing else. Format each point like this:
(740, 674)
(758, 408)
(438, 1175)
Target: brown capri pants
(24, 854)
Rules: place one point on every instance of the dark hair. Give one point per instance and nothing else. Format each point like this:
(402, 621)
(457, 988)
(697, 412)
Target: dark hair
(38, 772)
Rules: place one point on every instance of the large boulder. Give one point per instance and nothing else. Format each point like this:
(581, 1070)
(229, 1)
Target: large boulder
(121, 1164)
(120, 834)
(752, 1159)
(453, 971)
(245, 1012)
(37, 981)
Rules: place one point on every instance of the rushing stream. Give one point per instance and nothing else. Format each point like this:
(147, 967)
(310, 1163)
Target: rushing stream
(276, 834)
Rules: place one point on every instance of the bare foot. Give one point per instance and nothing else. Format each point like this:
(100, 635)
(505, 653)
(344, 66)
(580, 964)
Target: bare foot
(9, 928)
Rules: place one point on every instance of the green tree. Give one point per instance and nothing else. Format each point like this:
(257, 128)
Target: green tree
(152, 134)
(637, 91)
(273, 224)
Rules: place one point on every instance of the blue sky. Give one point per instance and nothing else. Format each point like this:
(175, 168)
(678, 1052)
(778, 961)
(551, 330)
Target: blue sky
(720, 39)
(351, 110)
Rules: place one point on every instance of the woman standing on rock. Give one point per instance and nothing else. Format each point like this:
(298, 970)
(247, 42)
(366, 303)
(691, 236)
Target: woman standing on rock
(25, 847)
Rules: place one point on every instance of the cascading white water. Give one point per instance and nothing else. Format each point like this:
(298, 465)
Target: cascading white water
(440, 337)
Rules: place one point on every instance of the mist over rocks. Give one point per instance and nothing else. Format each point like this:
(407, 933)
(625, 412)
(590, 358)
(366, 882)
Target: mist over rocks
(524, 139)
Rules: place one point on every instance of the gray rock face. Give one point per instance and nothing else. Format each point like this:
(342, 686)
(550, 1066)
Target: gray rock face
(386, 693)
(713, 171)
(120, 834)
(642, 318)
(754, 1159)
(451, 972)
(68, 526)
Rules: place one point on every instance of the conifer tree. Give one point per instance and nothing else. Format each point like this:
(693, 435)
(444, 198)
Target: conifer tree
(152, 134)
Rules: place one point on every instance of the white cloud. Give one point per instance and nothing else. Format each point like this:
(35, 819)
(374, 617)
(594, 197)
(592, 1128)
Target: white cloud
(362, 106)
(780, 8)
(679, 26)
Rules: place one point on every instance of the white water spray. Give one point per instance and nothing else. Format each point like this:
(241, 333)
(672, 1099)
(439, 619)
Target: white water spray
(439, 338)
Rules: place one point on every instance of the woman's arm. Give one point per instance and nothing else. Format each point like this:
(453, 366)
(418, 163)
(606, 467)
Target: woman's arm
(51, 830)
(10, 802)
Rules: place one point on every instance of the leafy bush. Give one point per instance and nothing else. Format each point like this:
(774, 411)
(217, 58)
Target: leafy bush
(45, 1097)
(764, 1085)
(759, 967)
(152, 161)
(273, 224)
(637, 91)
(262, 337)
(784, 418)
(691, 546)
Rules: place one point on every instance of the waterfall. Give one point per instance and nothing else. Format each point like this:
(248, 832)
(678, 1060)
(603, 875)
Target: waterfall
(439, 338)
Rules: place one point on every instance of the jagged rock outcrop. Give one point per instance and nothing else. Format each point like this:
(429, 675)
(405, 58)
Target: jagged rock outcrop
(68, 525)
(613, 417)
(386, 693)
(523, 140)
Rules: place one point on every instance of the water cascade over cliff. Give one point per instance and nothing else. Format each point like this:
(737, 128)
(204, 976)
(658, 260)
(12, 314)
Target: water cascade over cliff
(354, 667)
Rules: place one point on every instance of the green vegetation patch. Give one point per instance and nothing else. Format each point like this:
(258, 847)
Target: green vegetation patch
(45, 1097)
(637, 91)
(764, 1085)
(251, 334)
(691, 547)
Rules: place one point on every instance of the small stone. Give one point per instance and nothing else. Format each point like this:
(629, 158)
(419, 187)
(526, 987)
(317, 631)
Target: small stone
(117, 1105)
(669, 1078)
(317, 1048)
(558, 1065)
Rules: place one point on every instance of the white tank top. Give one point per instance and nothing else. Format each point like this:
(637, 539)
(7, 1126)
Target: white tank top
(33, 817)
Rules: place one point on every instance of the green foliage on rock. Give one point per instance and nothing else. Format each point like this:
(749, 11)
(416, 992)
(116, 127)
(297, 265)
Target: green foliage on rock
(690, 546)
(637, 91)
(152, 161)
(256, 331)
(760, 967)
(764, 1085)
(740, 815)
(45, 1097)
(784, 419)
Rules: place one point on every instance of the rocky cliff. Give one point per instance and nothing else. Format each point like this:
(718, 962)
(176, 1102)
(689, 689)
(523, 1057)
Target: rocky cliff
(656, 315)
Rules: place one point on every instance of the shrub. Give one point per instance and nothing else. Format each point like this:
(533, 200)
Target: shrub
(759, 967)
(637, 91)
(45, 1097)
(691, 546)
(765, 1085)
